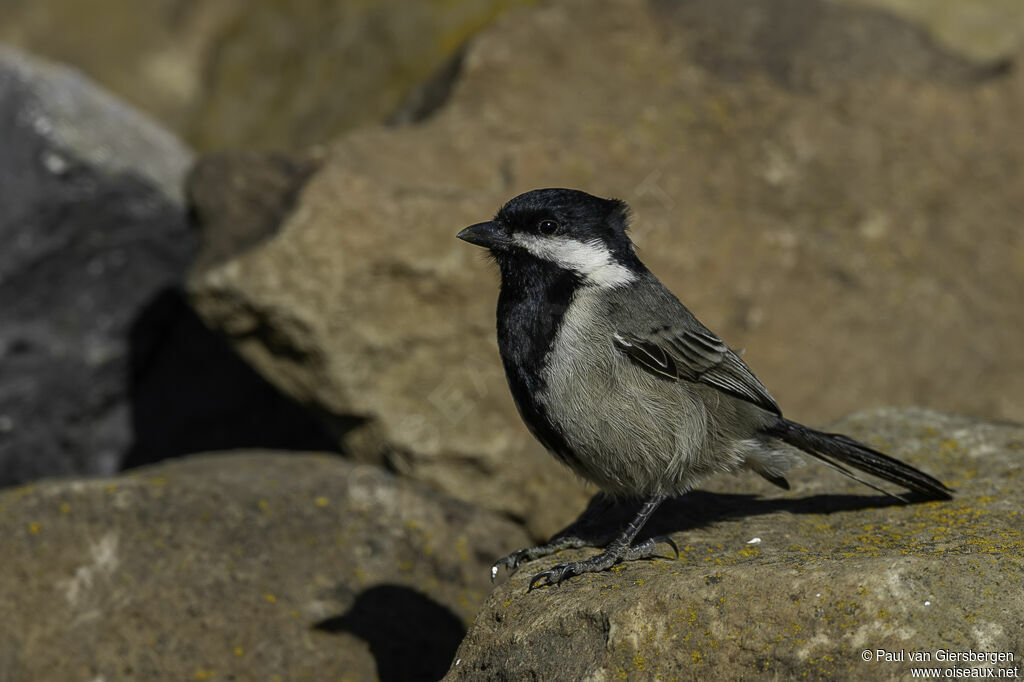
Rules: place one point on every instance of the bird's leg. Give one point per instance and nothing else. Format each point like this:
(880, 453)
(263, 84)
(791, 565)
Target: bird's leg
(621, 549)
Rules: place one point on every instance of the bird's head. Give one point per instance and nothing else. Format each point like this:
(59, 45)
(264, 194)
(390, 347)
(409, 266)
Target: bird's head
(566, 228)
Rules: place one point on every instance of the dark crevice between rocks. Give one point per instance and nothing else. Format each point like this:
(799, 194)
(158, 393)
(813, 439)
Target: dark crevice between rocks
(411, 636)
(189, 392)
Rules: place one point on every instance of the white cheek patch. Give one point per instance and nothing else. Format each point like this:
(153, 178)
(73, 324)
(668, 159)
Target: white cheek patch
(592, 260)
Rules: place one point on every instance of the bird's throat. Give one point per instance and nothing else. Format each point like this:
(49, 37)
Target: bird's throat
(532, 304)
(533, 300)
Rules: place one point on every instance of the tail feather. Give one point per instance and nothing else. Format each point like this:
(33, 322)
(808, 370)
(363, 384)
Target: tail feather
(837, 450)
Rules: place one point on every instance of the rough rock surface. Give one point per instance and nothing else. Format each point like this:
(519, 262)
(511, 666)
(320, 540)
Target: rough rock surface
(102, 363)
(822, 184)
(93, 227)
(250, 566)
(776, 585)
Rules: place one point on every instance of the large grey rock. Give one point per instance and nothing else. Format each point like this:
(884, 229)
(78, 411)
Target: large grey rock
(810, 178)
(798, 585)
(102, 363)
(251, 566)
(50, 111)
(93, 227)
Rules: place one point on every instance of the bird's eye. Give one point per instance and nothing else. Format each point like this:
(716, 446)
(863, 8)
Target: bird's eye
(547, 227)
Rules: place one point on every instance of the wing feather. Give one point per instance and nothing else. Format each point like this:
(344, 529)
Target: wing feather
(696, 355)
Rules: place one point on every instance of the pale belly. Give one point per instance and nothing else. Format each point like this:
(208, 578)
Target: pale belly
(633, 433)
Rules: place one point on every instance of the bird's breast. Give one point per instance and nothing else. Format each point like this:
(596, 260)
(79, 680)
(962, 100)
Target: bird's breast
(632, 431)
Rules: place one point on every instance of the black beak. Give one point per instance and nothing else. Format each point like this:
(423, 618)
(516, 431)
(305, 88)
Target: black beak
(489, 235)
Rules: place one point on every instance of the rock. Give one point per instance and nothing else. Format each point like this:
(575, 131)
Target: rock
(853, 221)
(103, 364)
(225, 73)
(984, 29)
(93, 227)
(255, 565)
(792, 585)
(290, 74)
(247, 195)
(61, 112)
(153, 55)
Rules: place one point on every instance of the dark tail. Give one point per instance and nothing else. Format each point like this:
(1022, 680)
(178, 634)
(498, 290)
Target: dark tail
(837, 450)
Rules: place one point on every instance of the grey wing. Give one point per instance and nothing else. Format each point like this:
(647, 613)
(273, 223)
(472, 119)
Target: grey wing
(699, 356)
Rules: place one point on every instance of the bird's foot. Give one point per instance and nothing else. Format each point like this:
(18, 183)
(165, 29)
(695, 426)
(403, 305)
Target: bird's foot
(603, 561)
(512, 561)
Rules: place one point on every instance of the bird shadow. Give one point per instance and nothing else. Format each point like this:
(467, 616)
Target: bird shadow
(411, 636)
(604, 518)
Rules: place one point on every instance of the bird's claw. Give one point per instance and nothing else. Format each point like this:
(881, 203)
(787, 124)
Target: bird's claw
(560, 572)
(668, 541)
(510, 562)
(520, 556)
(554, 575)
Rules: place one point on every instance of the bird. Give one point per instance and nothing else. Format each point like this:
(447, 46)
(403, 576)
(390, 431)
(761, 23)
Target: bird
(623, 384)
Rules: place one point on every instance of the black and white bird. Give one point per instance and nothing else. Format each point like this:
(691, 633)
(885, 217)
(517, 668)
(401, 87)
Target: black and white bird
(621, 383)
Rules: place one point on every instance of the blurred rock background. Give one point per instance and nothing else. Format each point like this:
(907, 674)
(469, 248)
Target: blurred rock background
(230, 226)
(229, 73)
